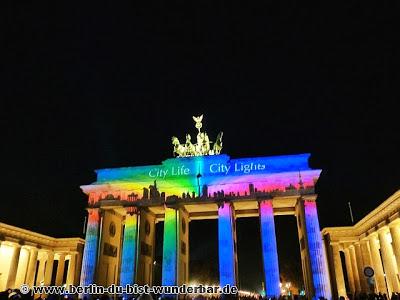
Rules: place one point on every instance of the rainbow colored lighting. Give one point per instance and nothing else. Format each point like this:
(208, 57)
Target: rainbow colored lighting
(90, 250)
(176, 176)
(226, 247)
(316, 250)
(128, 264)
(169, 270)
(269, 249)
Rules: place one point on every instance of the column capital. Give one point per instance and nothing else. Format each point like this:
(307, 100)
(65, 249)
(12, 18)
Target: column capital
(394, 223)
(222, 203)
(383, 229)
(346, 245)
(17, 245)
(32, 247)
(259, 200)
(61, 254)
(336, 244)
(90, 209)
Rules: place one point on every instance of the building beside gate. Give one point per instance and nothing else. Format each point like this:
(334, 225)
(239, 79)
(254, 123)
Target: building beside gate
(373, 242)
(27, 257)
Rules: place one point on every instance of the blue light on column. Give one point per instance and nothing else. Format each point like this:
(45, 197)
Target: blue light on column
(90, 250)
(226, 247)
(269, 249)
(316, 252)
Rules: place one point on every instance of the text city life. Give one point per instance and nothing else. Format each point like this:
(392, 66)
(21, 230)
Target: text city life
(216, 168)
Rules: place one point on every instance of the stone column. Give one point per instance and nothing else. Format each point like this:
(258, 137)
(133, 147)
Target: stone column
(316, 251)
(366, 253)
(360, 267)
(227, 244)
(175, 268)
(337, 262)
(13, 266)
(349, 269)
(146, 246)
(40, 272)
(49, 268)
(395, 233)
(354, 267)
(389, 262)
(170, 247)
(183, 246)
(60, 270)
(269, 249)
(367, 262)
(89, 259)
(129, 250)
(30, 274)
(78, 267)
(377, 264)
(22, 267)
(71, 269)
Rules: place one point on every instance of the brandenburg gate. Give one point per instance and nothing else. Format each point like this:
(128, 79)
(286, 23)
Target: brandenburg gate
(200, 183)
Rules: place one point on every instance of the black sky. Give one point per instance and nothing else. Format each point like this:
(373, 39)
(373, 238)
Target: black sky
(94, 86)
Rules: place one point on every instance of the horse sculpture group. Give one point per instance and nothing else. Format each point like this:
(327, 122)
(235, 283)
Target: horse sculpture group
(203, 145)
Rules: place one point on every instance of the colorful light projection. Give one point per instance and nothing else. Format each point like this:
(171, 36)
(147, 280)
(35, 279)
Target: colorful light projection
(170, 247)
(226, 246)
(90, 250)
(205, 175)
(269, 249)
(129, 250)
(317, 254)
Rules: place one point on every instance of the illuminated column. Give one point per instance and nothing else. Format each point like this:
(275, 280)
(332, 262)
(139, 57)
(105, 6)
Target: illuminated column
(30, 275)
(78, 267)
(49, 268)
(337, 262)
(22, 267)
(129, 249)
(227, 245)
(316, 251)
(366, 253)
(60, 269)
(269, 249)
(90, 250)
(367, 261)
(170, 247)
(360, 268)
(395, 233)
(13, 266)
(40, 272)
(377, 264)
(183, 246)
(389, 262)
(354, 267)
(145, 261)
(71, 269)
(349, 269)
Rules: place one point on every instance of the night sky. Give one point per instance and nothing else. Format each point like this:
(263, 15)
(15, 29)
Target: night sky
(90, 86)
